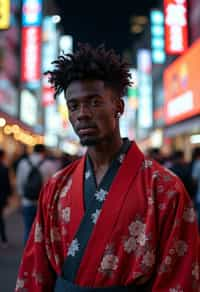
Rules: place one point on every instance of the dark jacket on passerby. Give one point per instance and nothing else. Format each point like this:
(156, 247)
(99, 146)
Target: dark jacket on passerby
(182, 170)
(5, 187)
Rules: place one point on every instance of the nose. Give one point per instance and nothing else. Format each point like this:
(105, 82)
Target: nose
(84, 112)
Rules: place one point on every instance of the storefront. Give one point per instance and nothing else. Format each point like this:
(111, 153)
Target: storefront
(182, 100)
(14, 135)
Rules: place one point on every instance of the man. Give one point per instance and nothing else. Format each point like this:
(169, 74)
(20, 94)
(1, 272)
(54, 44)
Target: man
(112, 220)
(46, 170)
(5, 191)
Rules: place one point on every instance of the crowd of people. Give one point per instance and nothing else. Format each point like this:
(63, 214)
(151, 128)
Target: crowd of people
(15, 174)
(187, 171)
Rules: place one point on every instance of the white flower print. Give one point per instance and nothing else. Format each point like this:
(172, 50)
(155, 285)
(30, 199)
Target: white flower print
(87, 174)
(195, 271)
(55, 234)
(130, 245)
(66, 188)
(149, 259)
(73, 248)
(109, 263)
(95, 216)
(177, 289)
(100, 195)
(121, 157)
(38, 236)
(147, 163)
(141, 239)
(136, 228)
(181, 247)
(20, 283)
(189, 215)
(66, 214)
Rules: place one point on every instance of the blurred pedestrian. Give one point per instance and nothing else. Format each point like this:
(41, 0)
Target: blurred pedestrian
(113, 220)
(65, 159)
(5, 191)
(181, 168)
(32, 172)
(21, 156)
(156, 154)
(196, 178)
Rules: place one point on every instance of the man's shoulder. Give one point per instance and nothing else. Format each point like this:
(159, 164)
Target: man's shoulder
(60, 174)
(159, 172)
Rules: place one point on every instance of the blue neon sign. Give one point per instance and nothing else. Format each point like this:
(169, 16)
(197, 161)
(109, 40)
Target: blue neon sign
(31, 12)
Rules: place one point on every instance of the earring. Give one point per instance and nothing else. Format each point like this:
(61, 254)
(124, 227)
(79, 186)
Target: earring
(118, 115)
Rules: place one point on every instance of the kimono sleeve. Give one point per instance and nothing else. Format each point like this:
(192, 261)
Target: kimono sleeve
(35, 272)
(178, 247)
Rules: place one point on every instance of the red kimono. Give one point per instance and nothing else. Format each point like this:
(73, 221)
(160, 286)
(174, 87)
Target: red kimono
(146, 230)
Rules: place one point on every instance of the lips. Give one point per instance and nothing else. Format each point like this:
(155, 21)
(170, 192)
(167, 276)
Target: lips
(86, 130)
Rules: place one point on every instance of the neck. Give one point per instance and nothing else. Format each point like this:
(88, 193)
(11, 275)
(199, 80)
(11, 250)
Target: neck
(103, 154)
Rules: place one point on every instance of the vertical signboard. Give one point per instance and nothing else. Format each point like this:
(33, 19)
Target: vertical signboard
(31, 43)
(4, 14)
(49, 54)
(176, 26)
(157, 36)
(145, 119)
(31, 59)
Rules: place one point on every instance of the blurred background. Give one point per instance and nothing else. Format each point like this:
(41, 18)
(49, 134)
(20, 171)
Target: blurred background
(160, 39)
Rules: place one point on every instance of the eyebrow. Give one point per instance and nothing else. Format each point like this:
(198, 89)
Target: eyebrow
(90, 96)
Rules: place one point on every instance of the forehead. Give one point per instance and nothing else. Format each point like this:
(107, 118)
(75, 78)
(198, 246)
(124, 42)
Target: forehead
(85, 88)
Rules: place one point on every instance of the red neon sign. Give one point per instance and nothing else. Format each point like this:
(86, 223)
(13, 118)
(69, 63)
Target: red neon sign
(47, 92)
(176, 26)
(31, 54)
(181, 86)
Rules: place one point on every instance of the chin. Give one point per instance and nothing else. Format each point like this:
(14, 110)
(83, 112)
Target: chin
(88, 141)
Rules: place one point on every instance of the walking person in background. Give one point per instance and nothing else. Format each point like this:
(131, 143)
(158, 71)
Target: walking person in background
(32, 172)
(181, 168)
(5, 191)
(196, 178)
(113, 219)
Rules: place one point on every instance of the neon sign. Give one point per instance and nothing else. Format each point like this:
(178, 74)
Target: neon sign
(176, 26)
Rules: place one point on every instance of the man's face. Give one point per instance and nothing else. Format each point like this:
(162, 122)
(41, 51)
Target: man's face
(92, 111)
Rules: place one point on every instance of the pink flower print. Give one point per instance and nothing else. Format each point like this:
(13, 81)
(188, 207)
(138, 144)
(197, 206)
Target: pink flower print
(136, 228)
(130, 245)
(109, 262)
(149, 259)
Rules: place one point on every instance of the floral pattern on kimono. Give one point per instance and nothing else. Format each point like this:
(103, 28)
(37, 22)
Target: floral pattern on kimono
(155, 237)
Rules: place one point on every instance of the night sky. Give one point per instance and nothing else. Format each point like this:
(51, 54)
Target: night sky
(102, 21)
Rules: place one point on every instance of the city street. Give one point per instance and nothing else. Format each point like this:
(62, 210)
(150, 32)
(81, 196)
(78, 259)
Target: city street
(10, 257)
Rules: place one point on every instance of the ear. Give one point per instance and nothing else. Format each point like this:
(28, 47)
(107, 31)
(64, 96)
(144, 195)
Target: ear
(120, 105)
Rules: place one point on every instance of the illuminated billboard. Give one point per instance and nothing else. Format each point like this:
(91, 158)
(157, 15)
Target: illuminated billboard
(181, 86)
(176, 26)
(31, 59)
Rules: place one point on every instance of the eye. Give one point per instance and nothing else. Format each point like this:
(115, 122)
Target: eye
(72, 106)
(95, 102)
